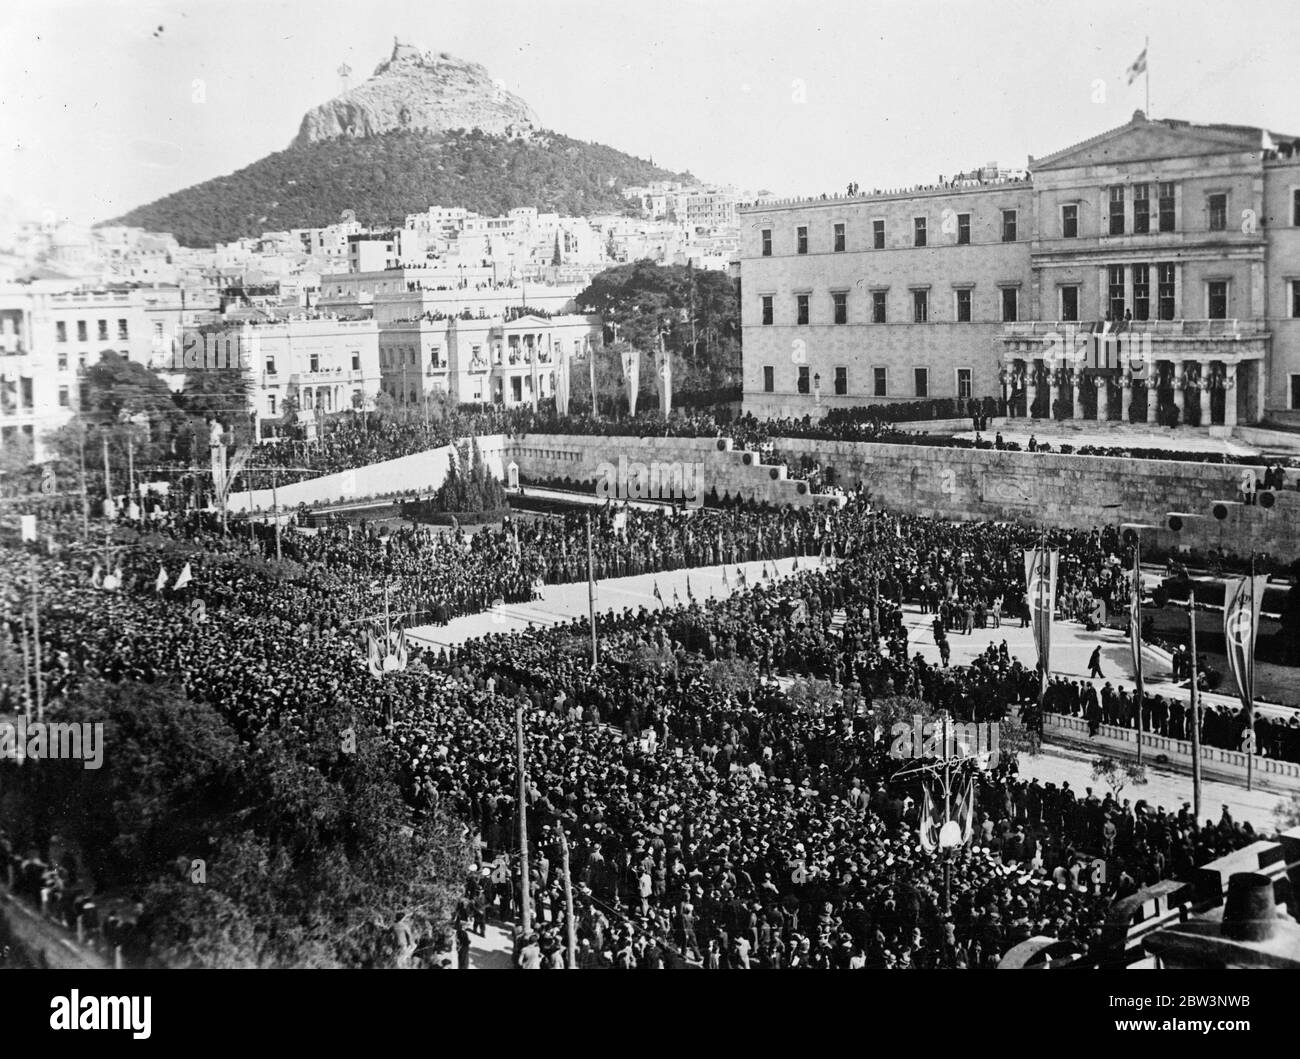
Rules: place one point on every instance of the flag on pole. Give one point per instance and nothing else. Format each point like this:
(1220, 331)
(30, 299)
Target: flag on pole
(1240, 626)
(184, 577)
(963, 806)
(929, 823)
(689, 594)
(725, 580)
(97, 577)
(658, 594)
(373, 662)
(27, 524)
(796, 563)
(1040, 597)
(1138, 67)
(740, 576)
(161, 583)
(676, 597)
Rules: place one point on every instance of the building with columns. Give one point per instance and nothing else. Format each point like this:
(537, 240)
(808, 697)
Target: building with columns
(508, 360)
(1149, 274)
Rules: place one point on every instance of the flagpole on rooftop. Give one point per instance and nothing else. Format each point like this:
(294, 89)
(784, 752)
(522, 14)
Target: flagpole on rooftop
(1146, 51)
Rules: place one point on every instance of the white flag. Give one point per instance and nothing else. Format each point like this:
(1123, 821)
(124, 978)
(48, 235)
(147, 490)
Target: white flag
(184, 577)
(1138, 68)
(161, 583)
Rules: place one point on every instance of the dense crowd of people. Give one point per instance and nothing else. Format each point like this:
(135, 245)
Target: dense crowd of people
(718, 812)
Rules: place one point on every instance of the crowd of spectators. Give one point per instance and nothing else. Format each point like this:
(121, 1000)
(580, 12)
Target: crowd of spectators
(712, 817)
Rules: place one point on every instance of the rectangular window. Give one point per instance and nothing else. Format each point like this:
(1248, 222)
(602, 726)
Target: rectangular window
(1141, 208)
(769, 378)
(920, 306)
(270, 365)
(1217, 291)
(965, 388)
(878, 306)
(963, 306)
(1295, 299)
(878, 234)
(314, 363)
(801, 239)
(841, 381)
(767, 242)
(103, 330)
(1008, 226)
(1165, 291)
(1070, 303)
(61, 331)
(122, 333)
(1070, 221)
(801, 308)
(766, 301)
(803, 378)
(1166, 208)
(270, 405)
(63, 361)
(918, 229)
(81, 331)
(1010, 305)
(64, 399)
(963, 229)
(922, 379)
(880, 382)
(1117, 210)
(841, 300)
(1217, 205)
(1141, 292)
(1115, 292)
(1295, 206)
(839, 238)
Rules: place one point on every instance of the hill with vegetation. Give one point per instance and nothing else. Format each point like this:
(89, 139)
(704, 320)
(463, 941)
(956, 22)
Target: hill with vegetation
(383, 178)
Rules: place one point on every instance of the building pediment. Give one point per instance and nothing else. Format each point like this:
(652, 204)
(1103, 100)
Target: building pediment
(1143, 140)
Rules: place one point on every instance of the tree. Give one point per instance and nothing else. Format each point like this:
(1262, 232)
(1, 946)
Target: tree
(1117, 775)
(698, 310)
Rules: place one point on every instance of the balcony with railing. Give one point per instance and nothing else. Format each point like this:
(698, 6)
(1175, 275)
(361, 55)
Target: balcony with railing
(1185, 328)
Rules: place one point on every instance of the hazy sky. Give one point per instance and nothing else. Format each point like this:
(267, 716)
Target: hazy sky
(98, 109)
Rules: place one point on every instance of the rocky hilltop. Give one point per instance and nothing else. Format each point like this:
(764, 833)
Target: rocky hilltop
(419, 91)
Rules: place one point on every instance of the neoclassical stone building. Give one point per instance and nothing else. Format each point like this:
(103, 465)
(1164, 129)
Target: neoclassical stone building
(1151, 274)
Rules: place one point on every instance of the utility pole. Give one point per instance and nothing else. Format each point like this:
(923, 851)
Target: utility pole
(27, 671)
(1137, 616)
(108, 485)
(1250, 681)
(1196, 713)
(85, 498)
(525, 906)
(275, 507)
(36, 637)
(570, 927)
(591, 592)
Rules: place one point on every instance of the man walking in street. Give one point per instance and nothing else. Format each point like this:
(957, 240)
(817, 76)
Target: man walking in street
(1094, 663)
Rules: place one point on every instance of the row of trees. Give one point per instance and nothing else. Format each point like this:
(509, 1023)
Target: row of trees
(692, 314)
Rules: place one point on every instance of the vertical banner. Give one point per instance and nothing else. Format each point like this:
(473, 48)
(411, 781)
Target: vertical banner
(1040, 596)
(665, 383)
(591, 367)
(929, 825)
(963, 806)
(1135, 616)
(632, 375)
(562, 380)
(1240, 626)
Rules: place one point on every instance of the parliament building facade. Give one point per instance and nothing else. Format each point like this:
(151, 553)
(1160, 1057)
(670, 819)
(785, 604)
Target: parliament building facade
(1149, 274)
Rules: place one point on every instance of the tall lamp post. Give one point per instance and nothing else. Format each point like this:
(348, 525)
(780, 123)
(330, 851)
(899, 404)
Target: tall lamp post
(1132, 534)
